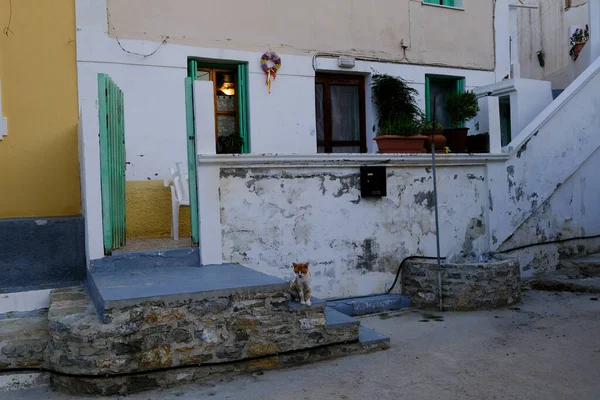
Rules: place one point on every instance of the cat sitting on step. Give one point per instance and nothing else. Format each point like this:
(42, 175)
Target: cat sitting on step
(300, 287)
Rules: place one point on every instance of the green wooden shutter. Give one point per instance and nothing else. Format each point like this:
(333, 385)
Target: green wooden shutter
(191, 158)
(243, 106)
(449, 3)
(460, 85)
(112, 162)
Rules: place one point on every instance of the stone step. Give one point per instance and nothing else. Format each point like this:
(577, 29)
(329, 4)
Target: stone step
(117, 288)
(581, 267)
(370, 304)
(561, 283)
(157, 327)
(336, 320)
(369, 341)
(23, 339)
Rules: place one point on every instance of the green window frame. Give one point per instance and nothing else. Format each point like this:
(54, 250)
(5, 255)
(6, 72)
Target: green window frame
(447, 3)
(242, 87)
(459, 85)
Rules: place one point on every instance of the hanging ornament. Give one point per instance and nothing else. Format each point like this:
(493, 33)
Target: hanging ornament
(270, 63)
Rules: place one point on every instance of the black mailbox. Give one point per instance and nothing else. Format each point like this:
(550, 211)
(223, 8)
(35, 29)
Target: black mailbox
(373, 182)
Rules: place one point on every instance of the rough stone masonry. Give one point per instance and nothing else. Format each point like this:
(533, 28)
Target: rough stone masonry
(157, 334)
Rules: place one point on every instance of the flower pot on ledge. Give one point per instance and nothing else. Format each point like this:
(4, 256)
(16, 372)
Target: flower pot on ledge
(457, 139)
(392, 144)
(577, 49)
(438, 139)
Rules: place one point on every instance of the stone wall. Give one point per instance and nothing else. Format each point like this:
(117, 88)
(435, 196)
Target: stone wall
(481, 286)
(23, 339)
(158, 334)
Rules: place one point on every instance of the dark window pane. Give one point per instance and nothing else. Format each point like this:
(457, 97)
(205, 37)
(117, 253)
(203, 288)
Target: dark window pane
(345, 149)
(345, 112)
(320, 111)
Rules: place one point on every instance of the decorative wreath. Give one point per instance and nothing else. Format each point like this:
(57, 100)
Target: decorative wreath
(270, 70)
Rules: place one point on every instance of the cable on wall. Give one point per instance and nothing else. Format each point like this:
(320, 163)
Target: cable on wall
(111, 26)
(7, 29)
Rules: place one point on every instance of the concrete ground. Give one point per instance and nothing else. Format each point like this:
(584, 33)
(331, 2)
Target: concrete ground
(546, 348)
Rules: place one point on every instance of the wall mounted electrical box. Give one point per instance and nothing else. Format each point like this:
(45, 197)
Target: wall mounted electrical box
(373, 181)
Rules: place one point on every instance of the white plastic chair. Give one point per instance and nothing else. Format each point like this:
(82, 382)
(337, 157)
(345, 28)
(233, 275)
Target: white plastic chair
(180, 195)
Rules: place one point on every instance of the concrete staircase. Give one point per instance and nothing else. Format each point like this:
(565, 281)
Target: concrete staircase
(137, 327)
(558, 149)
(577, 274)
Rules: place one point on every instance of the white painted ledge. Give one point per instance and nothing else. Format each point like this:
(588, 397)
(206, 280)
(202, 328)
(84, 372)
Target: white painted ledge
(3, 121)
(3, 127)
(345, 160)
(24, 301)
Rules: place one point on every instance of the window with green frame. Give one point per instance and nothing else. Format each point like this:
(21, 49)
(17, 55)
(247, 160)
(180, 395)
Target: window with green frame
(447, 3)
(436, 89)
(231, 102)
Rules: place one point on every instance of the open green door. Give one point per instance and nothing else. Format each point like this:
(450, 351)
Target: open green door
(191, 158)
(111, 134)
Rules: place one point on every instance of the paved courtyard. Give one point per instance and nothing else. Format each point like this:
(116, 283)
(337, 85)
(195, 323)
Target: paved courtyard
(546, 348)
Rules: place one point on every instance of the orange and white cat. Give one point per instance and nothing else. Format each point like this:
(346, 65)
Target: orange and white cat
(300, 287)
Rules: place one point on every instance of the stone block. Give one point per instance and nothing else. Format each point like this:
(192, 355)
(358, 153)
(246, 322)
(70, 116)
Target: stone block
(465, 287)
(156, 334)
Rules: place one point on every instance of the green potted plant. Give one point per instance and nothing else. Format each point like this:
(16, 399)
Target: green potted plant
(433, 130)
(578, 39)
(461, 108)
(230, 144)
(398, 114)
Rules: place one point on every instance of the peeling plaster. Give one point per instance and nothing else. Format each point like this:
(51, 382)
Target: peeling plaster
(354, 245)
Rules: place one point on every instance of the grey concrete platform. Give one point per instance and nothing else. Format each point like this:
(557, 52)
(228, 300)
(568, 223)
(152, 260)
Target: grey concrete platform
(117, 288)
(336, 319)
(370, 304)
(369, 336)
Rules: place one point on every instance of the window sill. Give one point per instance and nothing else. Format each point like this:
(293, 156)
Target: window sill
(345, 160)
(441, 6)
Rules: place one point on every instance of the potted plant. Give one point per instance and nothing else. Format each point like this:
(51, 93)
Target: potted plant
(400, 135)
(461, 108)
(433, 130)
(230, 144)
(398, 116)
(578, 39)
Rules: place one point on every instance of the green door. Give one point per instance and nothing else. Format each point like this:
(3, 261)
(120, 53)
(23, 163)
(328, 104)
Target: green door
(191, 158)
(112, 162)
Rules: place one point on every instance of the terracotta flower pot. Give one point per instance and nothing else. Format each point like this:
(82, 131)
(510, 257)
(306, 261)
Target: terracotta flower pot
(400, 144)
(438, 139)
(457, 139)
(577, 49)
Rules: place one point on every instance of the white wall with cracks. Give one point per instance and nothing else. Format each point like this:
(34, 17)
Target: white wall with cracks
(570, 212)
(545, 155)
(272, 217)
(277, 209)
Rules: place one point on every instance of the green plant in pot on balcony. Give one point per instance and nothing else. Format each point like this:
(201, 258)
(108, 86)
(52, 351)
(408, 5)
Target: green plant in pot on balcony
(398, 116)
(230, 144)
(461, 108)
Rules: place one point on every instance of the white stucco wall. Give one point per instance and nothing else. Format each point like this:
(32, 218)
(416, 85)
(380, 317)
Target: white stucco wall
(570, 212)
(280, 122)
(548, 29)
(349, 26)
(545, 155)
(272, 217)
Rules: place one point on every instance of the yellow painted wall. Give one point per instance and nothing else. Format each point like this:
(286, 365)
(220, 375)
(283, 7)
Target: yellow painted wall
(149, 211)
(39, 167)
